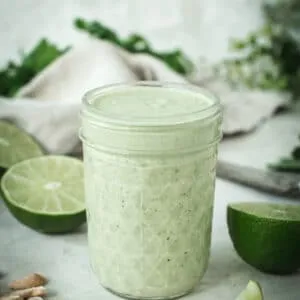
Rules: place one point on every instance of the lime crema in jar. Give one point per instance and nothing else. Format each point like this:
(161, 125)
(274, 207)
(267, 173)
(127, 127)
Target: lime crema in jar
(150, 156)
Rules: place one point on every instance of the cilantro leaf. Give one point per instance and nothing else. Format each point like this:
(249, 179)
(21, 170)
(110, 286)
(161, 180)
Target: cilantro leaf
(135, 43)
(15, 75)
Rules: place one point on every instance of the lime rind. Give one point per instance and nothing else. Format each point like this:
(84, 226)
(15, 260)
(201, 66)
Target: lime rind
(16, 145)
(253, 291)
(270, 245)
(15, 182)
(50, 198)
(47, 223)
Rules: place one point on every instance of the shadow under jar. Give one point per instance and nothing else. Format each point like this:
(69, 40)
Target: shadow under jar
(150, 152)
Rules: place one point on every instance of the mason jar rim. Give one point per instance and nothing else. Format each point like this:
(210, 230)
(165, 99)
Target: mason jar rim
(120, 121)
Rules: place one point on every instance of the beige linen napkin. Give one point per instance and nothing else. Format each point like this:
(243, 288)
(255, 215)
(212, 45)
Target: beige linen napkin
(48, 107)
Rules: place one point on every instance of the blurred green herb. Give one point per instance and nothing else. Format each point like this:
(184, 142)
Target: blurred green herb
(15, 75)
(288, 164)
(269, 58)
(136, 43)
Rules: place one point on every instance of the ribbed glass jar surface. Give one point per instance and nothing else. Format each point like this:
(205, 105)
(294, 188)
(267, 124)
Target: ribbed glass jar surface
(150, 154)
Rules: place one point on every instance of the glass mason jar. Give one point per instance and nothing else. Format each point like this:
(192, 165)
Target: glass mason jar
(150, 154)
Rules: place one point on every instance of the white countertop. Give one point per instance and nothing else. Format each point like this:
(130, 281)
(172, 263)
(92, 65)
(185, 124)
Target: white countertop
(64, 258)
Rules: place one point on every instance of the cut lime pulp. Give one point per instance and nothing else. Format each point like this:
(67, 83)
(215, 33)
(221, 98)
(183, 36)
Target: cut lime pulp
(253, 291)
(16, 145)
(46, 193)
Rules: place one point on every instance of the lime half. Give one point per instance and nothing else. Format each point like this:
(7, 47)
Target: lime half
(16, 145)
(46, 193)
(253, 291)
(266, 236)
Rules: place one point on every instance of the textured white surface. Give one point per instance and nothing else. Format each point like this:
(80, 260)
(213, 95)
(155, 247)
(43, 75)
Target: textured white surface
(64, 258)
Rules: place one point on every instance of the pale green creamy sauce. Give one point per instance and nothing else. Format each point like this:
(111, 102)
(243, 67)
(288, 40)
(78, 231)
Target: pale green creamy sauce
(150, 102)
(149, 217)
